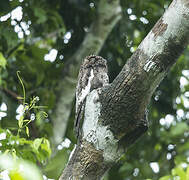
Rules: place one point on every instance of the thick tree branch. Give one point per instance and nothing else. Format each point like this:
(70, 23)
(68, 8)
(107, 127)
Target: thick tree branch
(12, 94)
(109, 13)
(115, 115)
(133, 87)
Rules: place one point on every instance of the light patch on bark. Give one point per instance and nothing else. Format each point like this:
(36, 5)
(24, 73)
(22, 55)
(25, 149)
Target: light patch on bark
(71, 154)
(118, 10)
(152, 46)
(149, 65)
(152, 67)
(171, 26)
(176, 25)
(86, 91)
(173, 17)
(93, 132)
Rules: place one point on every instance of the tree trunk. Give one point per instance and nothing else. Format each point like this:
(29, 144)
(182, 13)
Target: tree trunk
(115, 116)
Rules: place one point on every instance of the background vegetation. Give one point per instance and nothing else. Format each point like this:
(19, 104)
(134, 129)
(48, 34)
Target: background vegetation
(37, 38)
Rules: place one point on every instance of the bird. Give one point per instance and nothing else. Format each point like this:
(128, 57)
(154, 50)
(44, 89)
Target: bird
(93, 74)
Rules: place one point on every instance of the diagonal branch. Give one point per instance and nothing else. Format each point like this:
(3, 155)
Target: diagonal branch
(133, 87)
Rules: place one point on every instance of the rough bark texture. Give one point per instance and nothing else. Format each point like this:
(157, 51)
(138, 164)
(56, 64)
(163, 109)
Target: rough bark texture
(109, 13)
(115, 116)
(86, 163)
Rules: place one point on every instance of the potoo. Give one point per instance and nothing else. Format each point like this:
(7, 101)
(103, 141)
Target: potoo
(93, 74)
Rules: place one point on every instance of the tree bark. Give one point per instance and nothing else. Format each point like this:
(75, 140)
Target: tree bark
(115, 116)
(109, 13)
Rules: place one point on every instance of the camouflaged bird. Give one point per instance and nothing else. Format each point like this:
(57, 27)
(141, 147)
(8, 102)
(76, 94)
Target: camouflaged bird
(93, 74)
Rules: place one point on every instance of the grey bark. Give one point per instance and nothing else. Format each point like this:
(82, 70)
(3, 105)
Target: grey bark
(115, 115)
(109, 13)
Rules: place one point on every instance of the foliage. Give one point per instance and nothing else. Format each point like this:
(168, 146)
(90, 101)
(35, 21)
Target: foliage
(18, 147)
(34, 150)
(18, 169)
(177, 173)
(26, 42)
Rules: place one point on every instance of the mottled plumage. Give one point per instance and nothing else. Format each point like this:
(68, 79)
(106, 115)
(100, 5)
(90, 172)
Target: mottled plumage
(93, 74)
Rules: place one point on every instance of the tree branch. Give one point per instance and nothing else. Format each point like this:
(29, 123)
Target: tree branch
(109, 13)
(115, 115)
(12, 94)
(133, 87)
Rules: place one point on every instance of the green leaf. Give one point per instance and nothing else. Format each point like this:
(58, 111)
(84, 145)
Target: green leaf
(20, 98)
(36, 143)
(7, 151)
(179, 129)
(11, 38)
(27, 131)
(41, 14)
(15, 175)
(21, 121)
(40, 116)
(165, 178)
(23, 141)
(3, 61)
(158, 147)
(183, 148)
(179, 171)
(46, 146)
(13, 152)
(187, 173)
